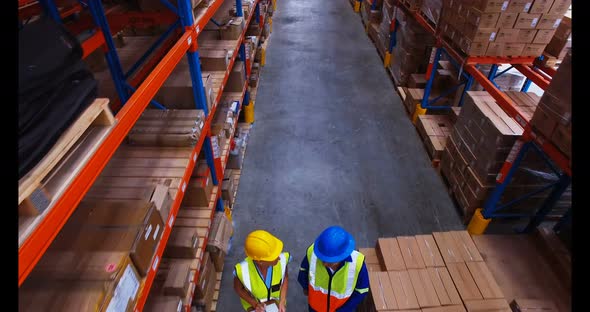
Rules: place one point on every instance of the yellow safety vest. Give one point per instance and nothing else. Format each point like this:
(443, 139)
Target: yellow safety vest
(326, 294)
(249, 277)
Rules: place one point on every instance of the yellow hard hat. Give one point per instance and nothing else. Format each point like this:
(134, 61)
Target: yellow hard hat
(262, 246)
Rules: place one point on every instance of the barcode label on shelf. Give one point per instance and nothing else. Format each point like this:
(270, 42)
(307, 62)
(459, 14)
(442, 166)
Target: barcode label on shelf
(505, 5)
(557, 22)
(189, 40)
(179, 306)
(171, 221)
(493, 36)
(195, 157)
(198, 29)
(126, 290)
(156, 232)
(155, 265)
(527, 7)
(147, 232)
(183, 186)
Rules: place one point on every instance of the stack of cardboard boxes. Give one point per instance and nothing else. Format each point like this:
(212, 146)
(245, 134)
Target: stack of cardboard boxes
(553, 117)
(438, 272)
(434, 131)
(173, 128)
(411, 52)
(561, 42)
(432, 9)
(502, 28)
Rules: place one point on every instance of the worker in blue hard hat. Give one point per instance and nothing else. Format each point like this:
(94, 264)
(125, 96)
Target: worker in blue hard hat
(333, 274)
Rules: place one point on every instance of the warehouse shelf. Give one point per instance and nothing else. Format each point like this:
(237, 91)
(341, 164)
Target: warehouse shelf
(535, 72)
(31, 250)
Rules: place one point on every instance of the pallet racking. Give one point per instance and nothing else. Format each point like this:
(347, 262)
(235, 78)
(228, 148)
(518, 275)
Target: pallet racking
(135, 90)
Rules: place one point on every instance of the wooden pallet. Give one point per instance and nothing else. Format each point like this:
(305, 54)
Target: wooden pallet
(43, 185)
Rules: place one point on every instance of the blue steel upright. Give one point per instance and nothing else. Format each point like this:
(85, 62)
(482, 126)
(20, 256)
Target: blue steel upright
(257, 13)
(186, 18)
(111, 55)
(51, 10)
(239, 9)
(428, 88)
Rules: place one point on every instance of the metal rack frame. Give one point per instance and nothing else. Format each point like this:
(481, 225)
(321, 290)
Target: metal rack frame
(534, 72)
(135, 96)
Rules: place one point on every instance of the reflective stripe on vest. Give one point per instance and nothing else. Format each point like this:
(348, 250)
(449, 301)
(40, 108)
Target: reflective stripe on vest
(342, 283)
(251, 280)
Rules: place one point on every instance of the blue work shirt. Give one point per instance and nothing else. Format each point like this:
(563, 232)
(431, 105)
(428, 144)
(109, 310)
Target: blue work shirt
(355, 299)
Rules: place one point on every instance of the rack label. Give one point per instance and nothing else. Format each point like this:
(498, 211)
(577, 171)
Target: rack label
(183, 186)
(557, 22)
(179, 306)
(148, 231)
(505, 5)
(126, 290)
(189, 40)
(493, 36)
(171, 221)
(527, 7)
(156, 232)
(198, 29)
(155, 265)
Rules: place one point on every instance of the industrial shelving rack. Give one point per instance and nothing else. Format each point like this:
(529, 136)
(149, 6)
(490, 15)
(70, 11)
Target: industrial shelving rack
(467, 66)
(135, 90)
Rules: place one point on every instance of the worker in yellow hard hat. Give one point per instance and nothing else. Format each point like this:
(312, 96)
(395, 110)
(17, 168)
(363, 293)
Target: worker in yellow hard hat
(261, 280)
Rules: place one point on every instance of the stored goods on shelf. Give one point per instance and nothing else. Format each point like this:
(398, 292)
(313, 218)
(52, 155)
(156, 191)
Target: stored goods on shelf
(432, 10)
(218, 244)
(434, 131)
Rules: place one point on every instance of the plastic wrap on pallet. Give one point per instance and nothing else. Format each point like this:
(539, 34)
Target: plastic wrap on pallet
(432, 10)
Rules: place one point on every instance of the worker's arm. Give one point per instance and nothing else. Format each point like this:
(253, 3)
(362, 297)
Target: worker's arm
(360, 291)
(284, 287)
(244, 294)
(303, 278)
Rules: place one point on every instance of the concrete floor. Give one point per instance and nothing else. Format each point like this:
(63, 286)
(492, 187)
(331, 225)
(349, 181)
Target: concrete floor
(331, 144)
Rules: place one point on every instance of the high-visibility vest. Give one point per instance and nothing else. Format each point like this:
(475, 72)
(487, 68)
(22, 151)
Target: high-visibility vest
(327, 293)
(249, 277)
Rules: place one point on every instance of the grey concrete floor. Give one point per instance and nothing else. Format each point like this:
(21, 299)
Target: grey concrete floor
(331, 144)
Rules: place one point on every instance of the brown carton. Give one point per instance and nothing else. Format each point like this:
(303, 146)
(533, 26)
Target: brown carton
(474, 48)
(507, 35)
(496, 305)
(513, 49)
(205, 277)
(389, 254)
(549, 21)
(443, 285)
(237, 78)
(492, 6)
(519, 6)
(562, 138)
(198, 191)
(424, 288)
(533, 49)
(466, 246)
(158, 303)
(382, 291)
(429, 251)
(526, 35)
(541, 6)
(560, 7)
(213, 60)
(527, 21)
(178, 279)
(485, 280)
(464, 281)
(453, 308)
(544, 36)
(182, 243)
(446, 244)
(403, 290)
(507, 20)
(411, 252)
(481, 19)
(481, 34)
(532, 305)
(495, 49)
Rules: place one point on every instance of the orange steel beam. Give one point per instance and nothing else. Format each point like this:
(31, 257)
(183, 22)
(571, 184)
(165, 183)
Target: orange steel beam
(94, 42)
(533, 76)
(36, 244)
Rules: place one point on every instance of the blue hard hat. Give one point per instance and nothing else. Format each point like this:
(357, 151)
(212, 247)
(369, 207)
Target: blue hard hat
(333, 245)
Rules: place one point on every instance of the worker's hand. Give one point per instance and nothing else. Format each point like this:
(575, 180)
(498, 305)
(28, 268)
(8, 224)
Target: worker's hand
(282, 307)
(260, 307)
(305, 292)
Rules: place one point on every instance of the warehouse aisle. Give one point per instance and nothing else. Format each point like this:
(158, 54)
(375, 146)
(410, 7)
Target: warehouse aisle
(331, 145)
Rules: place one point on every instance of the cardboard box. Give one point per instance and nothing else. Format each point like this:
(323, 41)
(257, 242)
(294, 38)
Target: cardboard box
(533, 49)
(183, 243)
(389, 254)
(233, 30)
(519, 6)
(139, 241)
(198, 192)
(541, 6)
(549, 21)
(513, 49)
(237, 78)
(465, 283)
(527, 21)
(485, 280)
(481, 19)
(561, 40)
(492, 6)
(443, 285)
(487, 305)
(417, 81)
(410, 252)
(506, 20)
(403, 290)
(178, 279)
(526, 35)
(177, 90)
(158, 303)
(481, 34)
(206, 277)
(453, 308)
(562, 138)
(371, 259)
(382, 291)
(424, 288)
(217, 246)
(474, 48)
(495, 49)
(560, 7)
(507, 35)
(448, 249)
(213, 60)
(544, 36)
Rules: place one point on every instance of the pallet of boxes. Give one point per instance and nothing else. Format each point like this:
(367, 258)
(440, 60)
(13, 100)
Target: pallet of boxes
(501, 28)
(438, 272)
